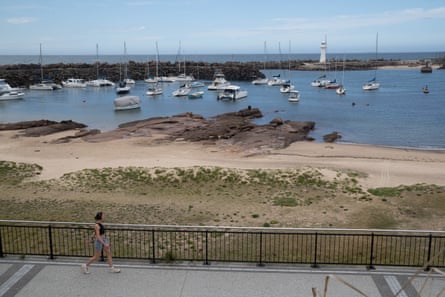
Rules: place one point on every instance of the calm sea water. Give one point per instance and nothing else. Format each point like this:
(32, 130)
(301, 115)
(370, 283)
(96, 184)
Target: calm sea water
(51, 59)
(399, 114)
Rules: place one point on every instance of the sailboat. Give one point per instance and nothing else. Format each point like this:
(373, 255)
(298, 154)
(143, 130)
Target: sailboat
(99, 81)
(259, 80)
(123, 87)
(45, 84)
(341, 90)
(373, 84)
(154, 88)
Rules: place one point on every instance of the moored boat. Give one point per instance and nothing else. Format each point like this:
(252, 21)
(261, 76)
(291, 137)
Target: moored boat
(154, 90)
(127, 102)
(123, 88)
(74, 83)
(232, 92)
(11, 95)
(196, 95)
(294, 96)
(287, 87)
(184, 90)
(341, 90)
(45, 85)
(219, 82)
(276, 81)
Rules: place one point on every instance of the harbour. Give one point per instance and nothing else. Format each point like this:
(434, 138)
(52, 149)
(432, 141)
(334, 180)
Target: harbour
(399, 114)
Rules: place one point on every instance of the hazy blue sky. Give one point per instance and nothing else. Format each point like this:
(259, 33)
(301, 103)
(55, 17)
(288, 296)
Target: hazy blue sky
(210, 26)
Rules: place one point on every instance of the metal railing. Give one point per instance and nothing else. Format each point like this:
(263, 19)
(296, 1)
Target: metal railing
(228, 244)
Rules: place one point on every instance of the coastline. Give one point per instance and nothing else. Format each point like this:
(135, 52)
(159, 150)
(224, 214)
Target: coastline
(378, 166)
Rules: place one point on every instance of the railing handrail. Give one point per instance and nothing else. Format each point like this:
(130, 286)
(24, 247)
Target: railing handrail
(150, 226)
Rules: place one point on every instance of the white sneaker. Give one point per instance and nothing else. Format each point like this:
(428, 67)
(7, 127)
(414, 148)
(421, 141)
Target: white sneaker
(114, 269)
(84, 268)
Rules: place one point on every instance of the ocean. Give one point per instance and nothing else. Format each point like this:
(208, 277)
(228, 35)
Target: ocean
(398, 114)
(89, 59)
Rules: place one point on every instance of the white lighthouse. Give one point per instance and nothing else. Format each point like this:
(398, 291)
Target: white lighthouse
(323, 47)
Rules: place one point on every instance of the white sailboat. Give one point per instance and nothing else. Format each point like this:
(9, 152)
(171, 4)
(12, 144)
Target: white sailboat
(44, 84)
(373, 84)
(99, 81)
(123, 86)
(341, 90)
(259, 80)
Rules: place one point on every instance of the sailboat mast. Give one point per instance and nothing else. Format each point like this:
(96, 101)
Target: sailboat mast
(97, 61)
(41, 64)
(125, 62)
(157, 60)
(376, 49)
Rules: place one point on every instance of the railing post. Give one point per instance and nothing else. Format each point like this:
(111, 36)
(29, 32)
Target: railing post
(371, 256)
(1, 244)
(206, 261)
(430, 243)
(314, 264)
(50, 237)
(153, 246)
(260, 262)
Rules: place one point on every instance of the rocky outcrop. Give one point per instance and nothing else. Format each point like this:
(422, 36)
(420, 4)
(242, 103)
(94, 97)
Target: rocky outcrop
(234, 128)
(41, 127)
(331, 137)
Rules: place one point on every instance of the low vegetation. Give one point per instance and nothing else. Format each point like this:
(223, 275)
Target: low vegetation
(217, 196)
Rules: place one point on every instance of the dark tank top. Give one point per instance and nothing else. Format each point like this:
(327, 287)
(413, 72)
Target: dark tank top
(101, 229)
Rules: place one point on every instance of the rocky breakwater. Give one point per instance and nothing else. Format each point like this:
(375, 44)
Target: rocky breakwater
(27, 74)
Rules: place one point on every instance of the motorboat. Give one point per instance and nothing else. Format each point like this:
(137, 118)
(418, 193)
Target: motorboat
(219, 82)
(196, 95)
(232, 92)
(154, 90)
(184, 90)
(294, 96)
(426, 90)
(341, 90)
(4, 86)
(196, 84)
(100, 82)
(74, 83)
(287, 87)
(123, 88)
(127, 102)
(45, 85)
(276, 81)
(260, 81)
(11, 95)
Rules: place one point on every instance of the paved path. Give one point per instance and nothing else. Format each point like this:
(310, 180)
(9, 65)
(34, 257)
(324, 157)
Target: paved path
(40, 277)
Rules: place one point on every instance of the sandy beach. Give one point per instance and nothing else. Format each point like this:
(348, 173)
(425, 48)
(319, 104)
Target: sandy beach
(339, 202)
(383, 167)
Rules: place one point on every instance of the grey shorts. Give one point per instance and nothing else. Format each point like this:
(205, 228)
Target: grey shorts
(98, 245)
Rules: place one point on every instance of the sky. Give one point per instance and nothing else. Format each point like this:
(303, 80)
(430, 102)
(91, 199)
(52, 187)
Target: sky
(220, 27)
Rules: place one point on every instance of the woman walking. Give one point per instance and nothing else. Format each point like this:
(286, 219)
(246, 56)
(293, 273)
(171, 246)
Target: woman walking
(100, 243)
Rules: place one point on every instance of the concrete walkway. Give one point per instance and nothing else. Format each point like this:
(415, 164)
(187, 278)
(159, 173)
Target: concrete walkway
(38, 277)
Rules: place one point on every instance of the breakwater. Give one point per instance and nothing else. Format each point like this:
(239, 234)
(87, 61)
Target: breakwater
(27, 74)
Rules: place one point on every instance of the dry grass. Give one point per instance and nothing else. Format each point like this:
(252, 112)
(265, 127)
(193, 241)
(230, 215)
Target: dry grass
(218, 196)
